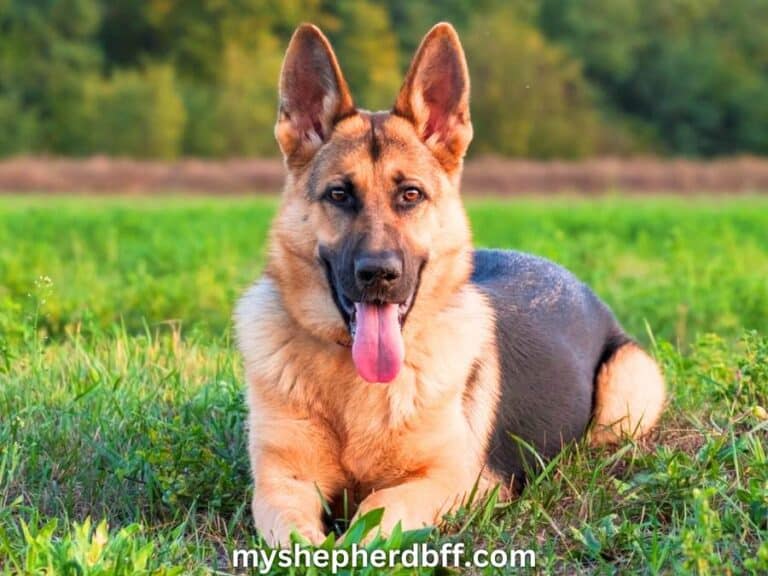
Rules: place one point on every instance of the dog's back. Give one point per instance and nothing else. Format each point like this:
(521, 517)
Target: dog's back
(553, 336)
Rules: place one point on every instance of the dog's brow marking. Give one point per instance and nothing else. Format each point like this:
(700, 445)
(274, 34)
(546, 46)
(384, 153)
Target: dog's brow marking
(375, 145)
(399, 177)
(349, 180)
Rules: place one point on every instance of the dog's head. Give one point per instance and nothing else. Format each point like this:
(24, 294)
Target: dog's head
(371, 235)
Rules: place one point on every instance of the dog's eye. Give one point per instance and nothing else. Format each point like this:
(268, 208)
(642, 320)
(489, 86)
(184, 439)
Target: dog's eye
(338, 195)
(410, 197)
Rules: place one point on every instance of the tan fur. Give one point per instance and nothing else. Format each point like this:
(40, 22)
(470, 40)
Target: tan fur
(629, 396)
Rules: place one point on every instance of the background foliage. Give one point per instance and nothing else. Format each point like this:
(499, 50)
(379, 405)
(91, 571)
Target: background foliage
(163, 78)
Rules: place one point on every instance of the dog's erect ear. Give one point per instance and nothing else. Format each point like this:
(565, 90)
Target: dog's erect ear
(313, 95)
(435, 96)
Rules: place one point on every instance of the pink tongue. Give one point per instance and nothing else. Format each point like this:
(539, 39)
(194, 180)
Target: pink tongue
(378, 350)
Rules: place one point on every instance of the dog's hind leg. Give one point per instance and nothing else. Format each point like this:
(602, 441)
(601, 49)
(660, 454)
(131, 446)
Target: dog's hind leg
(629, 395)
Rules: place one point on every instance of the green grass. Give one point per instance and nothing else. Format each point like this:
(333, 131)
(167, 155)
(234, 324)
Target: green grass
(121, 395)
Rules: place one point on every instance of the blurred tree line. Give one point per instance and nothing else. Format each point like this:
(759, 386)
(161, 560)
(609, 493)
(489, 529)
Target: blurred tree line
(163, 78)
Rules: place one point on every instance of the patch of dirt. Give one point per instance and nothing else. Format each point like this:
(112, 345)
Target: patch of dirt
(482, 176)
(688, 440)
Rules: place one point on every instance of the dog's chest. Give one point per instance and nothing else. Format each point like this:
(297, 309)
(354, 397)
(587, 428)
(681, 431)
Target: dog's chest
(387, 439)
(375, 464)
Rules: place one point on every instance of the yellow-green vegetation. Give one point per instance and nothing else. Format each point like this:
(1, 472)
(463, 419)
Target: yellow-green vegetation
(161, 78)
(122, 448)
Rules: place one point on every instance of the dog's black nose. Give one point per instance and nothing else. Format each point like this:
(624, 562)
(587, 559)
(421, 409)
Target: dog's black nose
(382, 268)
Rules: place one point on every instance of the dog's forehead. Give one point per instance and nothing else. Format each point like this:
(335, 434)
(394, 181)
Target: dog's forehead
(380, 143)
(373, 129)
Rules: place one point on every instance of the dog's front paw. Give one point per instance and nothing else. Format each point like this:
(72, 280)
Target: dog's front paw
(276, 526)
(313, 533)
(396, 509)
(279, 535)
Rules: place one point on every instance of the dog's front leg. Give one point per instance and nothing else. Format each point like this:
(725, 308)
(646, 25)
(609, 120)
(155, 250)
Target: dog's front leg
(283, 502)
(294, 465)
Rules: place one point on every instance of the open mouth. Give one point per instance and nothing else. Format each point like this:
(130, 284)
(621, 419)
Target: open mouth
(351, 308)
(375, 326)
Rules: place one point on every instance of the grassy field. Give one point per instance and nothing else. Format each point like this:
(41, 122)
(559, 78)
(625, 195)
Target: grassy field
(121, 413)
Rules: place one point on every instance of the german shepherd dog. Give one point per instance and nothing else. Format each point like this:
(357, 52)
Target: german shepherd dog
(388, 360)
